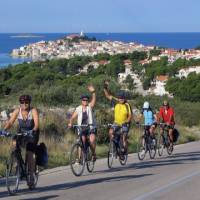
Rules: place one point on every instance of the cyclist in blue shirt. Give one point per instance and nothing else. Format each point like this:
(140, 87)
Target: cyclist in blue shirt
(149, 118)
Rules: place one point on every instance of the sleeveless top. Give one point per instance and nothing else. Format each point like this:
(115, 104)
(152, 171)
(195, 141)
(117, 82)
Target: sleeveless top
(25, 124)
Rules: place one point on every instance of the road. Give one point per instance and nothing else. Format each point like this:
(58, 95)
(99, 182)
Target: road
(175, 177)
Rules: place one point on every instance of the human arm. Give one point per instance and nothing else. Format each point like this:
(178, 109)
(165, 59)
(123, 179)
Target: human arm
(12, 119)
(73, 117)
(93, 100)
(35, 119)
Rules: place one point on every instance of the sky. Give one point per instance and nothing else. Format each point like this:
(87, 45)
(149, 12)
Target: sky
(57, 16)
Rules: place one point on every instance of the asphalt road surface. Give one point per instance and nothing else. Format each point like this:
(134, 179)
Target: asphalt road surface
(175, 177)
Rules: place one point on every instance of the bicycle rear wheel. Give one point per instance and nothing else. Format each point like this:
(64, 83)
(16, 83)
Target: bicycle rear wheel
(77, 159)
(161, 145)
(141, 148)
(12, 174)
(89, 162)
(111, 154)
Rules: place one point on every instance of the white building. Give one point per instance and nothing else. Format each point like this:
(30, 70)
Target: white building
(159, 86)
(185, 72)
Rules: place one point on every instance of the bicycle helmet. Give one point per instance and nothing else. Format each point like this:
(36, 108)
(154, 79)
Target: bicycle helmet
(25, 98)
(121, 95)
(146, 105)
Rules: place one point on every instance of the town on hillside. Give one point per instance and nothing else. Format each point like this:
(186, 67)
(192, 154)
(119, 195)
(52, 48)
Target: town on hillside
(80, 45)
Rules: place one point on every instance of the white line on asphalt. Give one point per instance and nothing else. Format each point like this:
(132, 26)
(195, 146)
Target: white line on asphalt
(166, 187)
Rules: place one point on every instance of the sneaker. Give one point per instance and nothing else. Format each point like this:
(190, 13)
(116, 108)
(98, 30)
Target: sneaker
(142, 152)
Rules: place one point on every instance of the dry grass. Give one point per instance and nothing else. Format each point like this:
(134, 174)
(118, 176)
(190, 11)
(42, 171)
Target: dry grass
(59, 140)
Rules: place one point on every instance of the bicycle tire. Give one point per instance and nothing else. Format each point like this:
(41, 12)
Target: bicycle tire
(77, 159)
(111, 154)
(141, 149)
(123, 161)
(161, 145)
(152, 148)
(89, 162)
(12, 174)
(125, 155)
(28, 180)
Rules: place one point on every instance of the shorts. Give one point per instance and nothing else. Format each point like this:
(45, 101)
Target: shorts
(88, 131)
(27, 142)
(121, 129)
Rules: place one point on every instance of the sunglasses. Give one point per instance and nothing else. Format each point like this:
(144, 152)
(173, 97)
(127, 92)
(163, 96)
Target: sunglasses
(84, 99)
(24, 102)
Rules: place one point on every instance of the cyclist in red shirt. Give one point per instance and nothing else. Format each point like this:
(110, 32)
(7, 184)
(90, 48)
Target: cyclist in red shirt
(167, 116)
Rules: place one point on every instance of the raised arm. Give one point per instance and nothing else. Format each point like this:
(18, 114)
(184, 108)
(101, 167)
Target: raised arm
(93, 100)
(12, 119)
(106, 92)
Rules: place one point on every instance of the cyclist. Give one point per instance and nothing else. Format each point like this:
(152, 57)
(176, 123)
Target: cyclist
(28, 121)
(149, 118)
(85, 116)
(122, 114)
(167, 116)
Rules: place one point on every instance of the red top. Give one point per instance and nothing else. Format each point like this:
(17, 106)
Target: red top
(167, 115)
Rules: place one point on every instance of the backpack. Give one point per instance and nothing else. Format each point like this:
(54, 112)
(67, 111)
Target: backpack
(41, 155)
(175, 135)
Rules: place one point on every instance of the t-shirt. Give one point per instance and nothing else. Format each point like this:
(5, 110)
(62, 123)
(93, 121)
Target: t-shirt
(148, 117)
(167, 115)
(121, 113)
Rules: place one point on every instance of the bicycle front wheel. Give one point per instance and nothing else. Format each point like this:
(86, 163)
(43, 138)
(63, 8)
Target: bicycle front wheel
(141, 148)
(152, 148)
(111, 154)
(77, 159)
(12, 174)
(89, 162)
(161, 145)
(123, 160)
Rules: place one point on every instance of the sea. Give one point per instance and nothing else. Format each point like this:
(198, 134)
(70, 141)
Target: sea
(9, 41)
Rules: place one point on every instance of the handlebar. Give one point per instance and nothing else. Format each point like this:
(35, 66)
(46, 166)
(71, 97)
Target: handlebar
(8, 134)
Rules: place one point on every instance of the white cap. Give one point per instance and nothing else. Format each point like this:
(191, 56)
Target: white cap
(146, 105)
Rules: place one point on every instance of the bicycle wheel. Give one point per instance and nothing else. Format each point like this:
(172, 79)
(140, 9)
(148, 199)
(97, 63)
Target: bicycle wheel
(111, 154)
(170, 148)
(124, 160)
(12, 174)
(123, 156)
(152, 147)
(77, 159)
(32, 183)
(141, 148)
(161, 145)
(89, 161)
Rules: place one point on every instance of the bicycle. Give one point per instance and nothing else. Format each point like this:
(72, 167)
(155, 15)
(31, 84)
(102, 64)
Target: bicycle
(116, 147)
(164, 140)
(17, 168)
(81, 154)
(146, 143)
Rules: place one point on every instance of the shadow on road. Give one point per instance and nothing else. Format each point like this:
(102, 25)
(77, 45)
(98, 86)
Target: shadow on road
(42, 198)
(65, 186)
(175, 159)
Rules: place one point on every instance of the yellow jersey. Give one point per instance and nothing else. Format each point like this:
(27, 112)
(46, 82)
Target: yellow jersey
(121, 113)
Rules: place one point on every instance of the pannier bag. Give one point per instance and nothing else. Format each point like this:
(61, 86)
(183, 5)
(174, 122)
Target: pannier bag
(175, 135)
(41, 155)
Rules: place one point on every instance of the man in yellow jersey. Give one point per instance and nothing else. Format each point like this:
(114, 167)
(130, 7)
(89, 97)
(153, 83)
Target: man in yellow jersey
(122, 114)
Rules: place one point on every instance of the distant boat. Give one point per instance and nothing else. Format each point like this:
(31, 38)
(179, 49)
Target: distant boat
(26, 36)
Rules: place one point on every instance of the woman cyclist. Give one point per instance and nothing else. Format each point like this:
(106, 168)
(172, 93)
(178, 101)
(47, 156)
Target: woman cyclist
(28, 121)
